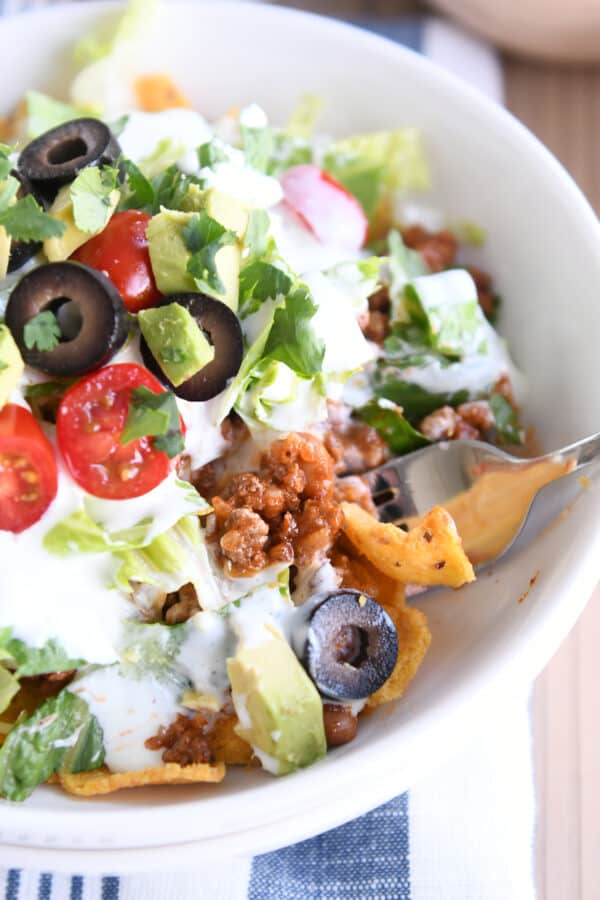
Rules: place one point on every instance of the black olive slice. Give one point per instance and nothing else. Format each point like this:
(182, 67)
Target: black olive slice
(223, 330)
(351, 646)
(56, 157)
(89, 310)
(22, 251)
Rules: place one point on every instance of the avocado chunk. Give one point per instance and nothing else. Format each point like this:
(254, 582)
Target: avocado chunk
(5, 242)
(11, 365)
(225, 209)
(169, 257)
(279, 710)
(177, 344)
(57, 249)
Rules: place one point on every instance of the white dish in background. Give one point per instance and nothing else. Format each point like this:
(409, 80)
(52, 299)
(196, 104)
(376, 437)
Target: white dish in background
(544, 251)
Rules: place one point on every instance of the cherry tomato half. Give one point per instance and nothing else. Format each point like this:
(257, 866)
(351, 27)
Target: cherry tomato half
(89, 424)
(121, 252)
(331, 212)
(28, 474)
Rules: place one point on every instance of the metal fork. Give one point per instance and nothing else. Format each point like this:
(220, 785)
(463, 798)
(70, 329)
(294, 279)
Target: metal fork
(441, 475)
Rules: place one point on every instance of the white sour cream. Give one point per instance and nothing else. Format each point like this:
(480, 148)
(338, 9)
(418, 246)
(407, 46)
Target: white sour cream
(203, 655)
(129, 712)
(144, 131)
(45, 596)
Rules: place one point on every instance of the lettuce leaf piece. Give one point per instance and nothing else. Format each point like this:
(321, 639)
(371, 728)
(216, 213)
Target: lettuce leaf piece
(387, 419)
(29, 661)
(288, 151)
(415, 401)
(279, 399)
(86, 531)
(9, 687)
(62, 735)
(445, 306)
(305, 116)
(108, 57)
(178, 557)
(404, 264)
(506, 418)
(370, 164)
(150, 649)
(44, 113)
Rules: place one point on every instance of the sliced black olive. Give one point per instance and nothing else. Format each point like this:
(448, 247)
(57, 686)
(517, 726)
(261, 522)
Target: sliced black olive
(56, 157)
(22, 251)
(223, 330)
(351, 646)
(89, 309)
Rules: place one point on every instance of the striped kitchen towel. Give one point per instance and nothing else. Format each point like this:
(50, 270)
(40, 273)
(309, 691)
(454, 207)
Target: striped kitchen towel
(466, 833)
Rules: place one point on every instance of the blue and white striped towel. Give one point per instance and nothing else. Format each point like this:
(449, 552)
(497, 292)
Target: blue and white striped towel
(466, 833)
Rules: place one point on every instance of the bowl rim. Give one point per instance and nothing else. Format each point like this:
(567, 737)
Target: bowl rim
(451, 717)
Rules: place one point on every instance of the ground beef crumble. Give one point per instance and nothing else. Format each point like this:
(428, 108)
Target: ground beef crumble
(285, 512)
(354, 446)
(184, 741)
(469, 420)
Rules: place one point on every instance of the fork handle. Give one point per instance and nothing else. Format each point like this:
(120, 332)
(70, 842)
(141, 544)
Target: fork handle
(583, 452)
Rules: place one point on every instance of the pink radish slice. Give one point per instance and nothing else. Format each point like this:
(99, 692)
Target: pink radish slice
(325, 206)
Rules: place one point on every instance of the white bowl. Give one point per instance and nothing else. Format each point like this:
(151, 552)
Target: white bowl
(544, 251)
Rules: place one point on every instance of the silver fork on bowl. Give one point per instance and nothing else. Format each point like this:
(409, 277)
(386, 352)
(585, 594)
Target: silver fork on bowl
(480, 483)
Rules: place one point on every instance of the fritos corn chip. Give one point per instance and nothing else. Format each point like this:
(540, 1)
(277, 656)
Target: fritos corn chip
(430, 554)
(101, 781)
(414, 638)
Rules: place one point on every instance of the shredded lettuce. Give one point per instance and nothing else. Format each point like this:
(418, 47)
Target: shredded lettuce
(369, 165)
(44, 113)
(88, 530)
(104, 84)
(28, 661)
(60, 736)
(305, 116)
(9, 687)
(150, 650)
(445, 306)
(178, 557)
(280, 399)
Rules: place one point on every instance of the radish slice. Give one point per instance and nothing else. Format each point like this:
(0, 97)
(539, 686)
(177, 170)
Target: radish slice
(325, 206)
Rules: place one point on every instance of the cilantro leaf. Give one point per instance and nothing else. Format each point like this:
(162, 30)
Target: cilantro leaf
(506, 420)
(292, 339)
(204, 237)
(26, 221)
(415, 401)
(141, 191)
(170, 187)
(260, 281)
(42, 332)
(157, 416)
(5, 164)
(387, 419)
(91, 196)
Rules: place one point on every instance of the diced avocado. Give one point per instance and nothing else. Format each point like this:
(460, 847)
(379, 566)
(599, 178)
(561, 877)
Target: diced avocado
(169, 257)
(168, 254)
(227, 262)
(194, 200)
(178, 345)
(5, 242)
(228, 211)
(11, 365)
(279, 710)
(60, 248)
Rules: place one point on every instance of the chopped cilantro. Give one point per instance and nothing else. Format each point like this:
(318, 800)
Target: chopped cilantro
(141, 190)
(42, 332)
(154, 415)
(25, 220)
(204, 237)
(506, 420)
(292, 339)
(91, 196)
